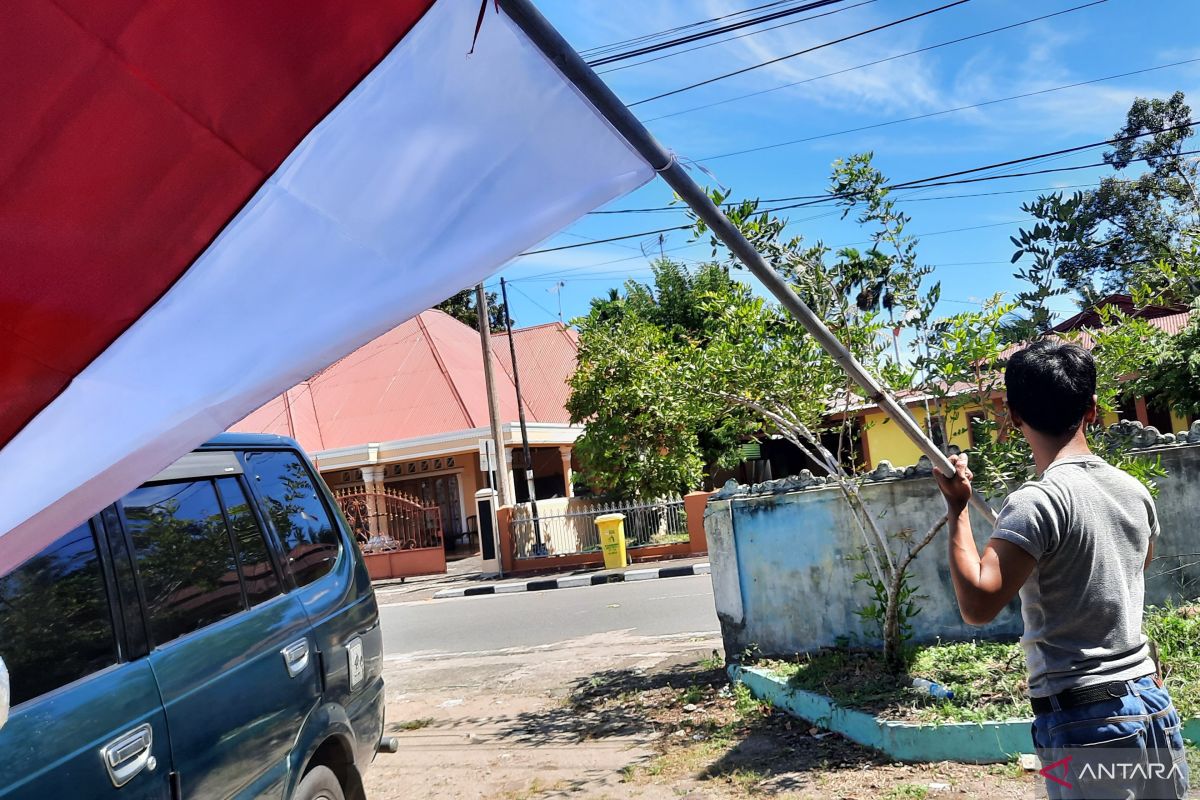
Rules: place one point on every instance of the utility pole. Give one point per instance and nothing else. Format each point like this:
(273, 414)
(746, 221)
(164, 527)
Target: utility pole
(504, 494)
(538, 548)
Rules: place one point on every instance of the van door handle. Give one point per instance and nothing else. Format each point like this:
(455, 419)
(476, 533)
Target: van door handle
(295, 656)
(129, 754)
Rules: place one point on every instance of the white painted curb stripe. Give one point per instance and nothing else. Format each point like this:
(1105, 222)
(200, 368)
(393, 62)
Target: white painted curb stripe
(640, 574)
(568, 582)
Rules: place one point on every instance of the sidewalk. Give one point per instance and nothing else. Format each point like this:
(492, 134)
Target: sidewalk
(464, 576)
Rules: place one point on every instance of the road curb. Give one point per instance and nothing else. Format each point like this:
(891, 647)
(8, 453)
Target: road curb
(573, 581)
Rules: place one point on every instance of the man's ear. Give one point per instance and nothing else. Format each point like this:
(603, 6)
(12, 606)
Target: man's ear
(1093, 412)
(1014, 417)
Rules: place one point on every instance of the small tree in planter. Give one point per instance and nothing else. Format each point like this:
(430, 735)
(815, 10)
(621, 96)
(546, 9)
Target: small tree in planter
(759, 365)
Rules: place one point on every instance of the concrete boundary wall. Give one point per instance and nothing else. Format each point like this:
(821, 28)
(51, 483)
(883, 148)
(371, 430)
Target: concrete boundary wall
(782, 553)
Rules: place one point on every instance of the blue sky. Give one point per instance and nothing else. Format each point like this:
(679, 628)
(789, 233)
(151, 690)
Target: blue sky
(1113, 37)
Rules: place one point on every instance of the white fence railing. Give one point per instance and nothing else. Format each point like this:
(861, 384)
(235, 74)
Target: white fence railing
(568, 525)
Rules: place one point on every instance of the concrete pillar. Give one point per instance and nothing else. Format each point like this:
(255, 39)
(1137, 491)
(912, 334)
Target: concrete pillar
(373, 480)
(694, 505)
(1143, 414)
(512, 478)
(489, 533)
(508, 554)
(568, 477)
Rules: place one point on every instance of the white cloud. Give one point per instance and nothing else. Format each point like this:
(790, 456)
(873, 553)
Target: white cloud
(895, 86)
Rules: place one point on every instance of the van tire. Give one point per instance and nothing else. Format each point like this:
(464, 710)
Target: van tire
(319, 784)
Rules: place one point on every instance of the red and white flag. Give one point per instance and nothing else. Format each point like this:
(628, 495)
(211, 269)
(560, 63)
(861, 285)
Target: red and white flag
(202, 204)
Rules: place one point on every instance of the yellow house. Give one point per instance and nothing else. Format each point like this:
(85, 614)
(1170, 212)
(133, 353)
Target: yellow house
(882, 440)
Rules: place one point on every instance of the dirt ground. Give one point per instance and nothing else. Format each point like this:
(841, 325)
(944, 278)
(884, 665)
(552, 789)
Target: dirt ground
(617, 716)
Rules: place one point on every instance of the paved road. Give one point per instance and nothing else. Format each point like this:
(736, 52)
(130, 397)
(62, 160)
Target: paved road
(532, 619)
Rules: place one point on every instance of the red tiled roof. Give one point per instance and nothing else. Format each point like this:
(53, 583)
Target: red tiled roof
(547, 355)
(1090, 316)
(422, 378)
(1172, 324)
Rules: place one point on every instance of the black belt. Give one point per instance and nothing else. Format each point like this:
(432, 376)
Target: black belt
(1073, 698)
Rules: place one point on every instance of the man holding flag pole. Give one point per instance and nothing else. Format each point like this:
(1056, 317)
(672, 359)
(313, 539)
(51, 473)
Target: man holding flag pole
(277, 223)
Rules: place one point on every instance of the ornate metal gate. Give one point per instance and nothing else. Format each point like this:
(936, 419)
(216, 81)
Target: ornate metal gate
(389, 520)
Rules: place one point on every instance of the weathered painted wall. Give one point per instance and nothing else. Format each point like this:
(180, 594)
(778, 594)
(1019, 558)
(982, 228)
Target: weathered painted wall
(886, 442)
(782, 556)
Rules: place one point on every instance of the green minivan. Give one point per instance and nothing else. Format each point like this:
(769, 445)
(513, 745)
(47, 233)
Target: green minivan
(213, 634)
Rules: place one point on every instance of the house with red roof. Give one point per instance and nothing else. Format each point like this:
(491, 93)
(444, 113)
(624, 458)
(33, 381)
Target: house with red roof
(875, 441)
(408, 411)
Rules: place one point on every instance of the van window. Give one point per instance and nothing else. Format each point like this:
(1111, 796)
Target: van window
(258, 573)
(184, 556)
(304, 527)
(55, 625)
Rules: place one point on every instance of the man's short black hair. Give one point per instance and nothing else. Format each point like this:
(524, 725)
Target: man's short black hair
(1050, 386)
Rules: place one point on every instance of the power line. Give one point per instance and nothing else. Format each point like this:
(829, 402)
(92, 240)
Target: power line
(827, 197)
(945, 179)
(941, 233)
(863, 66)
(944, 111)
(679, 208)
(992, 194)
(1014, 161)
(970, 180)
(733, 38)
(609, 275)
(591, 51)
(836, 197)
(695, 37)
(814, 48)
(535, 302)
(606, 241)
(567, 271)
(938, 180)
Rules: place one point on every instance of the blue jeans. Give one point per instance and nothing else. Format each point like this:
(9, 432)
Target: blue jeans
(1126, 748)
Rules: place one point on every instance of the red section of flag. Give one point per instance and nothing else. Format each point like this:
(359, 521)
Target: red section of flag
(134, 130)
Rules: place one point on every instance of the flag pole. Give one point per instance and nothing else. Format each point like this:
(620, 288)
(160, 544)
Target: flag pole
(552, 45)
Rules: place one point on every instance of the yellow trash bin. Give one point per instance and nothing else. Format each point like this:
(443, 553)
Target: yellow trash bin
(612, 540)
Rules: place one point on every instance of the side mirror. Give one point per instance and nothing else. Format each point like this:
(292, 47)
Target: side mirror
(3, 693)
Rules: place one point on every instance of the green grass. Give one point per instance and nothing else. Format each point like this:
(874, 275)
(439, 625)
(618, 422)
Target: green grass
(693, 694)
(988, 678)
(1176, 631)
(1009, 769)
(747, 779)
(413, 724)
(905, 791)
(746, 704)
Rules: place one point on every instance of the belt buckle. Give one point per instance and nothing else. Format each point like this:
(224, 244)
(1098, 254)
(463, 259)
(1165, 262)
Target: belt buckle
(1116, 689)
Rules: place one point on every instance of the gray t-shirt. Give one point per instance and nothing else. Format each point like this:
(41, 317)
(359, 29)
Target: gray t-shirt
(1089, 526)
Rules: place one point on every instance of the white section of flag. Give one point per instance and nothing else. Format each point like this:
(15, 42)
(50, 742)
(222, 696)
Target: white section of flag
(435, 171)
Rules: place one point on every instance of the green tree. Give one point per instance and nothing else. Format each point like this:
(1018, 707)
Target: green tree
(1048, 243)
(1125, 224)
(461, 306)
(1173, 370)
(646, 436)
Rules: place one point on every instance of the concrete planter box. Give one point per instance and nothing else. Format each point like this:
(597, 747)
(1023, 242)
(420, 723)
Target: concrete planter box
(405, 563)
(969, 742)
